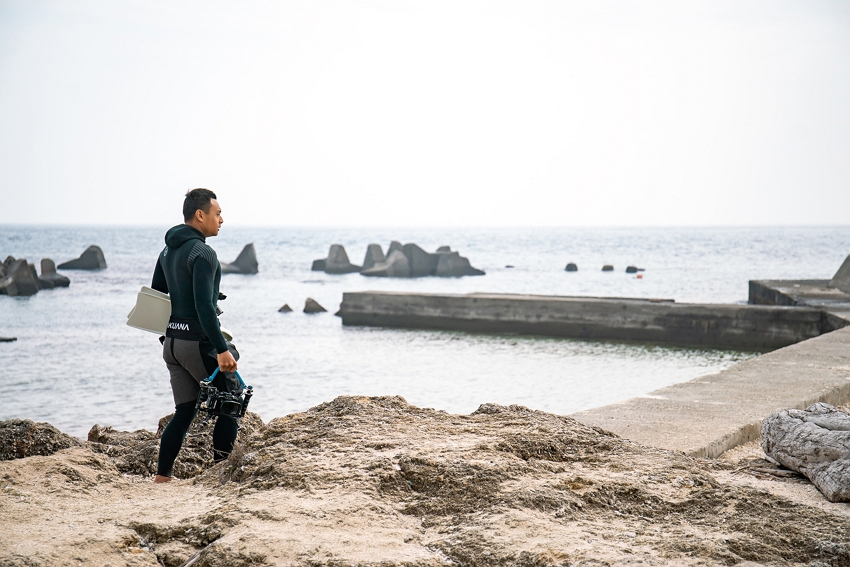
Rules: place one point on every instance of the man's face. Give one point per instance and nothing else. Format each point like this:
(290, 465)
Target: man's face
(210, 222)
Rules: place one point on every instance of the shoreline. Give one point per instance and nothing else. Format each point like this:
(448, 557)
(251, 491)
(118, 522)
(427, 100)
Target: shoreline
(366, 481)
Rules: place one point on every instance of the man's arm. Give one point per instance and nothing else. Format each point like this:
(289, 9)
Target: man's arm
(158, 282)
(202, 284)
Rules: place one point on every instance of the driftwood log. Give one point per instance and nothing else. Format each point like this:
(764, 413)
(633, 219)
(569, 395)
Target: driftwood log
(814, 442)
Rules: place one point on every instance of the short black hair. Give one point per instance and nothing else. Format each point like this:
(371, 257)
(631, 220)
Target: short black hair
(197, 199)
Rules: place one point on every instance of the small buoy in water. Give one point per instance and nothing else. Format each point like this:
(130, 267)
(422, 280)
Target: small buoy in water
(639, 276)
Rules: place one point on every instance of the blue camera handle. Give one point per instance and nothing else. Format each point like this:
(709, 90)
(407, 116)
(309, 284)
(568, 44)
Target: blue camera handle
(213, 375)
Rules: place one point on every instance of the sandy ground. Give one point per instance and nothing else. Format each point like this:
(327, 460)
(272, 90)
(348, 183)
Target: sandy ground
(375, 481)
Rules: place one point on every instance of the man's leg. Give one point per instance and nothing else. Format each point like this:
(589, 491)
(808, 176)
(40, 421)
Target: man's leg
(172, 438)
(224, 436)
(184, 388)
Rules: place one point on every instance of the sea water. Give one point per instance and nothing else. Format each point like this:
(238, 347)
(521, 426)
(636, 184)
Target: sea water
(76, 363)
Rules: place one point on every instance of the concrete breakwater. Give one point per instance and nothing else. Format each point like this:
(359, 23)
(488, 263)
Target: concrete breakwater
(757, 327)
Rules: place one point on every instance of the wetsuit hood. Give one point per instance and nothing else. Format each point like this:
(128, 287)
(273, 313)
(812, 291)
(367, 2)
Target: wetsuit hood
(179, 235)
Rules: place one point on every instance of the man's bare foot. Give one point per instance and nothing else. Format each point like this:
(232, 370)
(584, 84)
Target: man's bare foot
(159, 479)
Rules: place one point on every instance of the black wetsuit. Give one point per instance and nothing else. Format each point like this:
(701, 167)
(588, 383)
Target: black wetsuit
(189, 271)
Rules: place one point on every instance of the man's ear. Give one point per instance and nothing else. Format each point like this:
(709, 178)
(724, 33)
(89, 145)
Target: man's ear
(199, 215)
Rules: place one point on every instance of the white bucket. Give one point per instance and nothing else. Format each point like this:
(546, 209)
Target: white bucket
(152, 312)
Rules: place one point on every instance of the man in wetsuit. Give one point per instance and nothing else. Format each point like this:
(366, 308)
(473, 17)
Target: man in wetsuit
(188, 270)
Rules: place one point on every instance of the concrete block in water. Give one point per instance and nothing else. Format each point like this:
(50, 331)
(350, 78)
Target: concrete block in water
(245, 263)
(48, 272)
(312, 306)
(421, 262)
(91, 259)
(395, 266)
(374, 255)
(453, 265)
(841, 279)
(337, 261)
(19, 279)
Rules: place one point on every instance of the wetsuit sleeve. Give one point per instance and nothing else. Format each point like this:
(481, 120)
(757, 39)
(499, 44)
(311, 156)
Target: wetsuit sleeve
(158, 282)
(202, 284)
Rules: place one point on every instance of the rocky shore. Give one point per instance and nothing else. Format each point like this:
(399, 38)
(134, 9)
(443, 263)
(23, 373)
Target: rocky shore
(376, 481)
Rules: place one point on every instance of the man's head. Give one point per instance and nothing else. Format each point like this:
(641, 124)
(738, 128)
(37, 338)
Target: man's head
(201, 211)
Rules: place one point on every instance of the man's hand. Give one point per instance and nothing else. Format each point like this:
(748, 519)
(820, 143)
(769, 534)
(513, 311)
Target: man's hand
(226, 362)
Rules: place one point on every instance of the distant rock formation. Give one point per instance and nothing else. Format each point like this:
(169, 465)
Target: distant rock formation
(337, 262)
(8, 339)
(571, 267)
(607, 268)
(374, 255)
(453, 265)
(312, 306)
(841, 279)
(91, 259)
(48, 273)
(633, 270)
(245, 263)
(395, 266)
(285, 309)
(18, 279)
(401, 261)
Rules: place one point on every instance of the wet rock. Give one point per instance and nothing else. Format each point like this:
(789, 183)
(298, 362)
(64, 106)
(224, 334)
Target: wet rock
(337, 261)
(607, 268)
(20, 438)
(19, 279)
(48, 273)
(633, 270)
(814, 442)
(395, 266)
(8, 339)
(245, 263)
(285, 309)
(453, 265)
(374, 255)
(312, 306)
(318, 265)
(91, 259)
(571, 267)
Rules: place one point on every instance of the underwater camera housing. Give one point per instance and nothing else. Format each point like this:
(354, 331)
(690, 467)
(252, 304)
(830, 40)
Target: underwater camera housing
(217, 403)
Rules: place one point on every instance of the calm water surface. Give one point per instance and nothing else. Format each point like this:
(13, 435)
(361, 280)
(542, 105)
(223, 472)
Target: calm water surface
(76, 363)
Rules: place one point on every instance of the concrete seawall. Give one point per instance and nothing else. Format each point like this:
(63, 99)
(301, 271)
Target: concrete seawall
(756, 327)
(710, 415)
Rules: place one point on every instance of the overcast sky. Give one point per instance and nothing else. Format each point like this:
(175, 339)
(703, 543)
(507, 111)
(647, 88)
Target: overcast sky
(430, 113)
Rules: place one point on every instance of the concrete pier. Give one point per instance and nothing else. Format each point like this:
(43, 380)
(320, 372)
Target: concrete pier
(805, 293)
(712, 414)
(658, 321)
